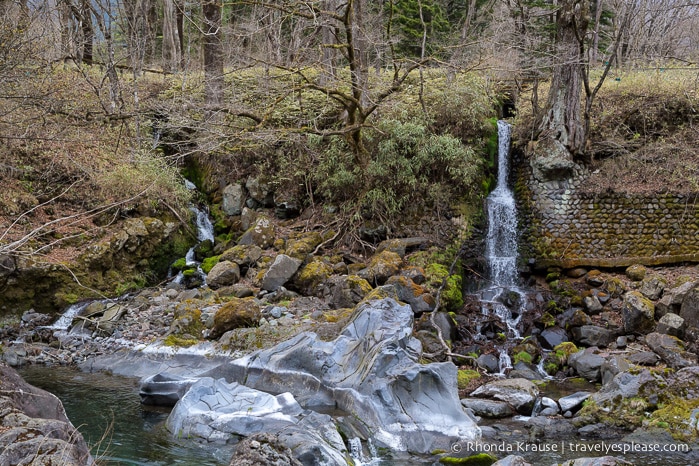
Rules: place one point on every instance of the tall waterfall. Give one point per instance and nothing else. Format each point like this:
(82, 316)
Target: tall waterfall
(501, 241)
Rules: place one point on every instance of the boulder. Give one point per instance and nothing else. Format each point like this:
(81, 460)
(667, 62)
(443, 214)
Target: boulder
(637, 313)
(164, 389)
(233, 200)
(263, 448)
(587, 364)
(492, 409)
(300, 245)
(592, 335)
(344, 291)
(224, 273)
(521, 394)
(672, 324)
(280, 272)
(260, 234)
(382, 266)
(623, 385)
(574, 401)
(612, 366)
(552, 337)
(644, 358)
(592, 304)
(245, 255)
(489, 362)
(35, 429)
(652, 287)
(689, 310)
(401, 245)
(310, 276)
(412, 294)
(236, 313)
(671, 350)
(373, 371)
(636, 272)
(260, 192)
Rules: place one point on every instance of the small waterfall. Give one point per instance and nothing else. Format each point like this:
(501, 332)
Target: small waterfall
(63, 322)
(504, 362)
(501, 240)
(355, 451)
(205, 231)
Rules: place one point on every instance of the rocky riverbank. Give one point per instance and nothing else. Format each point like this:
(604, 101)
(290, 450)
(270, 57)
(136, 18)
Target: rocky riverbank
(630, 334)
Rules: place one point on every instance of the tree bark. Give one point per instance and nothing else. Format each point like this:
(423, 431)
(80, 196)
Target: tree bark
(562, 120)
(172, 53)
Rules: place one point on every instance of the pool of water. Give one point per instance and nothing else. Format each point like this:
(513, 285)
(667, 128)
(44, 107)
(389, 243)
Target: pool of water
(107, 410)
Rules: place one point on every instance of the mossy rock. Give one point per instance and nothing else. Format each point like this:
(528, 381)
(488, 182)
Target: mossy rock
(236, 313)
(261, 234)
(208, 263)
(452, 298)
(381, 267)
(311, 275)
(480, 459)
(300, 245)
(636, 272)
(187, 321)
(179, 265)
(465, 376)
(243, 254)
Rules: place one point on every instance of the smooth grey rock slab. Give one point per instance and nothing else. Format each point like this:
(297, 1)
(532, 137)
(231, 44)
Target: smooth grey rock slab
(520, 393)
(164, 389)
(488, 408)
(281, 271)
(372, 372)
(570, 402)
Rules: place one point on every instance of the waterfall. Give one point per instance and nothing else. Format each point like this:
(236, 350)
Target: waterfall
(501, 240)
(68, 315)
(205, 231)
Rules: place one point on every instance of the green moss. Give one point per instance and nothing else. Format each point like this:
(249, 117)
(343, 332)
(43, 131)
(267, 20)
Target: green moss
(208, 263)
(179, 265)
(465, 376)
(675, 415)
(480, 459)
(452, 297)
(548, 320)
(175, 340)
(523, 356)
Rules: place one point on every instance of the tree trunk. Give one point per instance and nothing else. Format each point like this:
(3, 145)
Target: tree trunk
(213, 52)
(172, 53)
(88, 32)
(562, 120)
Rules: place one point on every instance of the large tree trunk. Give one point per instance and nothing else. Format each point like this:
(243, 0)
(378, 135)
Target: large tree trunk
(172, 53)
(561, 132)
(213, 52)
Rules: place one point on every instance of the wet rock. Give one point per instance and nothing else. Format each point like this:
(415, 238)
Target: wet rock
(592, 335)
(371, 370)
(236, 313)
(489, 362)
(637, 313)
(281, 271)
(524, 370)
(35, 429)
(672, 324)
(344, 291)
(636, 272)
(261, 234)
(576, 273)
(164, 389)
(521, 394)
(492, 409)
(233, 200)
(573, 402)
(690, 307)
(224, 273)
(671, 350)
(552, 337)
(652, 287)
(587, 364)
(263, 449)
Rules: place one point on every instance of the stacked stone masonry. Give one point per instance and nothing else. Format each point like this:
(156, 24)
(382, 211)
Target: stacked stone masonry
(568, 227)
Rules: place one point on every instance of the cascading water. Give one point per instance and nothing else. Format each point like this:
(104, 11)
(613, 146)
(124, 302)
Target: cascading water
(501, 294)
(205, 231)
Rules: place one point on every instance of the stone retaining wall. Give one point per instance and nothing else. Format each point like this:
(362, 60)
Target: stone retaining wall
(564, 226)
